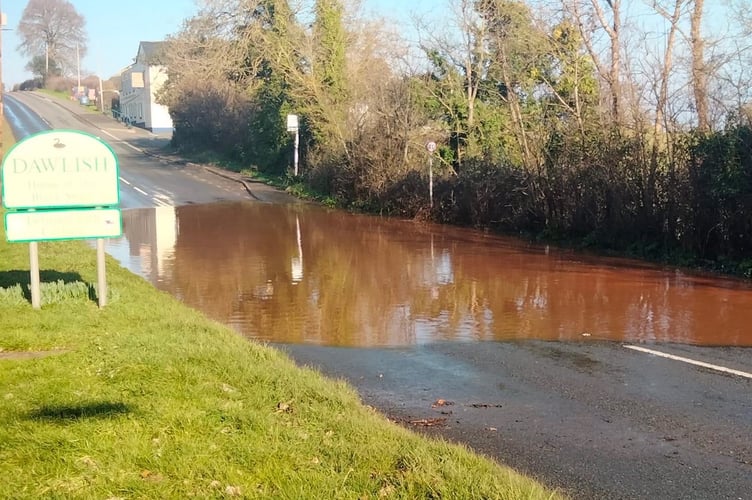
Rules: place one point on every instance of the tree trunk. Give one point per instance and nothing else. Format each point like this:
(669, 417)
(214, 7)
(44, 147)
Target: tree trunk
(699, 72)
(616, 60)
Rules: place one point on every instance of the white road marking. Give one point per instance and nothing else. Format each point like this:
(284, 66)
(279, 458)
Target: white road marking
(140, 190)
(121, 141)
(160, 203)
(103, 130)
(691, 361)
(124, 181)
(163, 200)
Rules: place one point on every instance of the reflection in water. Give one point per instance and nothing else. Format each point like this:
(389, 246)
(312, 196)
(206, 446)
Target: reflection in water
(369, 281)
(149, 248)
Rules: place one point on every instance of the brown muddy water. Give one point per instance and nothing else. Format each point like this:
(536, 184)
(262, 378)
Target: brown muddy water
(304, 274)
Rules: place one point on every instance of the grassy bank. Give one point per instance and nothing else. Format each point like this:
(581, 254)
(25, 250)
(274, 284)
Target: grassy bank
(149, 399)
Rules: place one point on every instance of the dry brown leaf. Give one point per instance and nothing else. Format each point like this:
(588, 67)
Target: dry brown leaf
(284, 407)
(441, 402)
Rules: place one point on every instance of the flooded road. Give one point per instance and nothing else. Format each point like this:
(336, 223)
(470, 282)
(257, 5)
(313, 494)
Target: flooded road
(302, 274)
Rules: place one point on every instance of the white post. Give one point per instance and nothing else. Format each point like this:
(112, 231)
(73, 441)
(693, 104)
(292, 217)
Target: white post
(430, 147)
(36, 294)
(430, 180)
(101, 96)
(101, 275)
(296, 156)
(293, 126)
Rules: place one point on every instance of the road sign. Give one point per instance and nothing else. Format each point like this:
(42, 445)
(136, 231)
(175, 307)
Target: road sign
(431, 146)
(25, 226)
(60, 169)
(292, 123)
(61, 185)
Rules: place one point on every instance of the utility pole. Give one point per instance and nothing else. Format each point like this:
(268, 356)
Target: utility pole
(2, 85)
(78, 70)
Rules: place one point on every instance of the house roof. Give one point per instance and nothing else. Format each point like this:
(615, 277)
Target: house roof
(152, 53)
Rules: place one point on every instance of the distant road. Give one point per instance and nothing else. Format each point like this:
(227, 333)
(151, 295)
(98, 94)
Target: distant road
(146, 181)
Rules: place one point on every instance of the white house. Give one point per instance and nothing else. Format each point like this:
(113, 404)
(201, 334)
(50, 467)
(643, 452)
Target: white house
(140, 83)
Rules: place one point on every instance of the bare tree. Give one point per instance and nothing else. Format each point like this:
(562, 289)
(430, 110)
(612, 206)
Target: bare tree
(699, 73)
(590, 16)
(673, 17)
(53, 29)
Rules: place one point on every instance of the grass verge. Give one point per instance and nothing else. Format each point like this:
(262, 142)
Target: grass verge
(149, 399)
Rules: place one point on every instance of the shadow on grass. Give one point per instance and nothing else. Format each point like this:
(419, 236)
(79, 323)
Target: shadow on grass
(65, 413)
(23, 279)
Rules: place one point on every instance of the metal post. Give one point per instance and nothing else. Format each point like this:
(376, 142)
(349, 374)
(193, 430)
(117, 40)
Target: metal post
(2, 85)
(430, 147)
(297, 144)
(101, 96)
(36, 295)
(101, 275)
(78, 69)
(293, 126)
(430, 180)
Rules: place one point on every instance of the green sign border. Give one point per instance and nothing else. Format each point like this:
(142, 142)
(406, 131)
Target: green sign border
(64, 207)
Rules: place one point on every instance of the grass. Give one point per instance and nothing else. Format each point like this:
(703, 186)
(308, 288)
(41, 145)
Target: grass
(65, 96)
(147, 398)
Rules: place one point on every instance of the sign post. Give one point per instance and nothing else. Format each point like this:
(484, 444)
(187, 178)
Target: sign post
(61, 185)
(292, 126)
(36, 295)
(430, 147)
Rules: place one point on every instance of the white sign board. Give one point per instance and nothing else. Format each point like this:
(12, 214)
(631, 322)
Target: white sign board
(63, 224)
(60, 169)
(292, 123)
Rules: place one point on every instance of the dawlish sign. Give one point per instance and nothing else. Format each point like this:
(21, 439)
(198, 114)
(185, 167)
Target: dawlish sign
(61, 185)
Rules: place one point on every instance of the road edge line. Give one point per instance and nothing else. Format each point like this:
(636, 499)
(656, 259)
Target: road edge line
(690, 361)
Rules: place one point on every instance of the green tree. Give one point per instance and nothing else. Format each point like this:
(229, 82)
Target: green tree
(330, 40)
(43, 67)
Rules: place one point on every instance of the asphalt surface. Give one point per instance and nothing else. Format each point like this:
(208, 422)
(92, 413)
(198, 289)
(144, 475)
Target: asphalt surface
(594, 419)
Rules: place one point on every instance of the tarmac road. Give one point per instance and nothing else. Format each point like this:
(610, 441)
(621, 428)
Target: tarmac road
(594, 419)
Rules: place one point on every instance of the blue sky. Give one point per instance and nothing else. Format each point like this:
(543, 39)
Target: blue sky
(116, 28)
